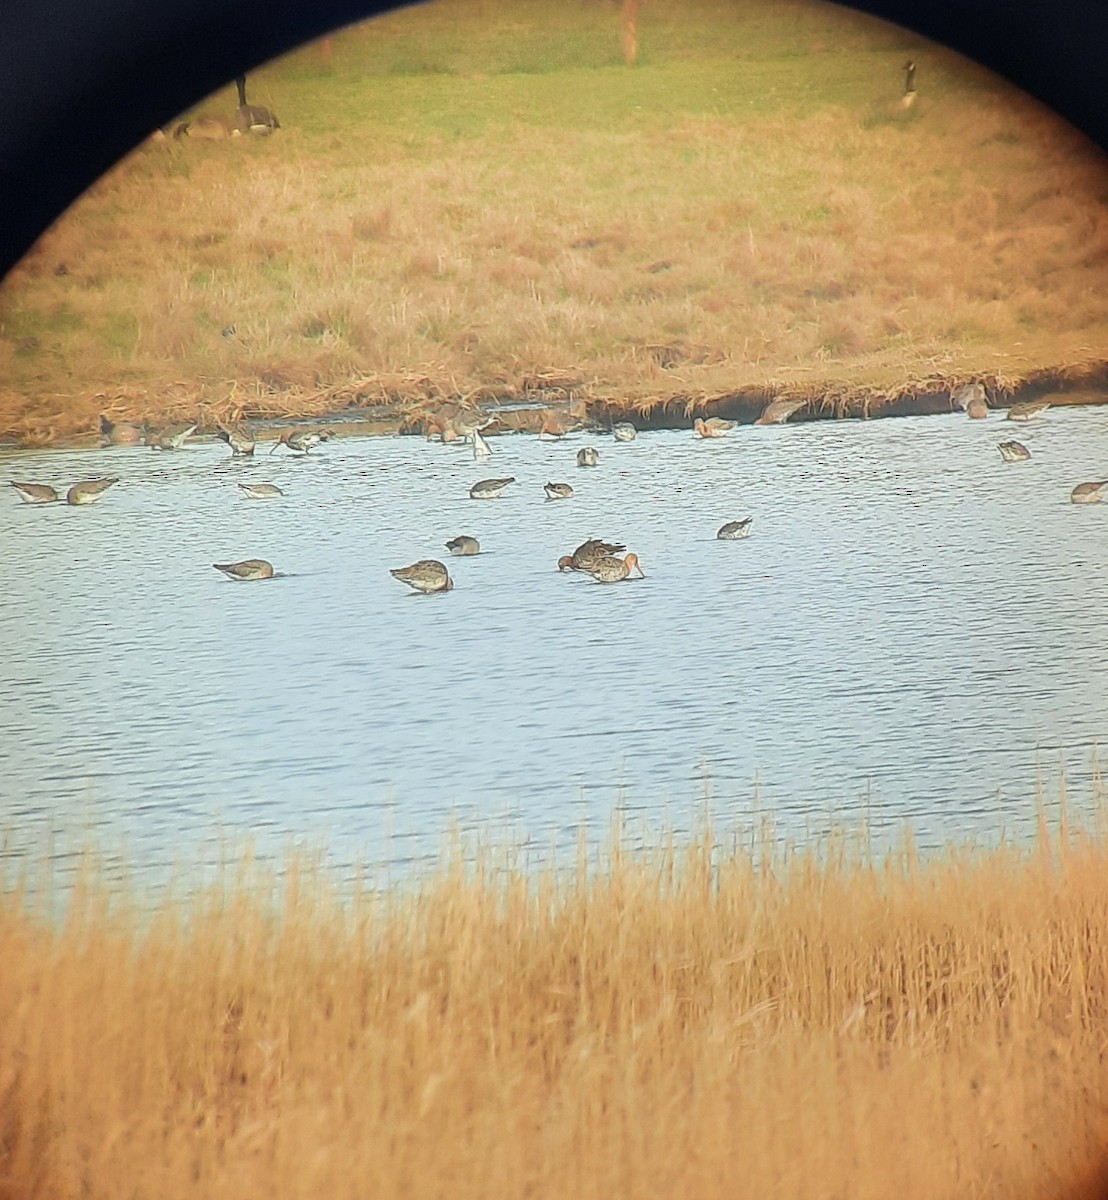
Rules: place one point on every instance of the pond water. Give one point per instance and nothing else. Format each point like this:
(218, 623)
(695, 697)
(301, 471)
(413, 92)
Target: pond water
(914, 630)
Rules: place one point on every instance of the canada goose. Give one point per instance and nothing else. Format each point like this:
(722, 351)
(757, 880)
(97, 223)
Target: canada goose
(909, 97)
(252, 118)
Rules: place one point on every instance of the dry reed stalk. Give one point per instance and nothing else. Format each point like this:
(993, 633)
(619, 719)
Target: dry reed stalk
(687, 1020)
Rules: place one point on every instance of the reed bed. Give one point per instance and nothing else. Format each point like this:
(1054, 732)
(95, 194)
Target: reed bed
(473, 192)
(686, 1020)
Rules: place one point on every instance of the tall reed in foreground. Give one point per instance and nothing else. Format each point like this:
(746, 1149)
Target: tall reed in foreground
(685, 1021)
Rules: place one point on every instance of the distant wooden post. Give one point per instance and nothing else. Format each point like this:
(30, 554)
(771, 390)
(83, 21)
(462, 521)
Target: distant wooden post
(629, 15)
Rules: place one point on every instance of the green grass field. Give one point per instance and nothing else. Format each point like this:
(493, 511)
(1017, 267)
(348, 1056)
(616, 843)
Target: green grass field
(474, 194)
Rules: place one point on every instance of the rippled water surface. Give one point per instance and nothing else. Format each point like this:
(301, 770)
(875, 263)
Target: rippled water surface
(913, 629)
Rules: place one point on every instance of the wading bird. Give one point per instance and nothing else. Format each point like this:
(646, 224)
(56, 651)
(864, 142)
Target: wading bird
(426, 576)
(248, 568)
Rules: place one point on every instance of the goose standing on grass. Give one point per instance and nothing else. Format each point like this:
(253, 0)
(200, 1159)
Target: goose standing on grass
(239, 437)
(1089, 493)
(557, 491)
(713, 427)
(610, 569)
(908, 99)
(426, 576)
(1028, 410)
(249, 568)
(88, 491)
(1014, 452)
(463, 546)
(489, 489)
(253, 118)
(734, 530)
(260, 491)
(624, 431)
(588, 554)
(35, 493)
(588, 456)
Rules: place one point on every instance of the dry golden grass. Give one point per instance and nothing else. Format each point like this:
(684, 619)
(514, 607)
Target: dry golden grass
(685, 1022)
(745, 220)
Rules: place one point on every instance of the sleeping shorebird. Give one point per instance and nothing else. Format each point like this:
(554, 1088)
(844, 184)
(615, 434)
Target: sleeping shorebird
(1089, 493)
(588, 554)
(557, 491)
(624, 431)
(733, 530)
(172, 438)
(1014, 452)
(239, 437)
(426, 576)
(777, 412)
(713, 427)
(301, 441)
(121, 433)
(481, 448)
(1028, 410)
(88, 491)
(463, 546)
(609, 569)
(248, 568)
(588, 456)
(35, 493)
(489, 489)
(260, 491)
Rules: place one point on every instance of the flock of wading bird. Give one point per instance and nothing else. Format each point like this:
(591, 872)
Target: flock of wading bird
(450, 422)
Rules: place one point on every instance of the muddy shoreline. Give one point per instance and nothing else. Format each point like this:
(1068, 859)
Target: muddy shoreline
(415, 414)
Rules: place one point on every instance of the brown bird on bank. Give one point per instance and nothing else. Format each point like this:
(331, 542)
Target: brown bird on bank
(122, 433)
(1089, 493)
(713, 427)
(557, 424)
(239, 437)
(1028, 410)
(172, 438)
(610, 569)
(588, 554)
(426, 576)
(88, 491)
(248, 568)
(35, 493)
(777, 412)
(463, 546)
(961, 396)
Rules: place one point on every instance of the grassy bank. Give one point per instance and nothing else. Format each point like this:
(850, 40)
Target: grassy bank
(481, 195)
(678, 1022)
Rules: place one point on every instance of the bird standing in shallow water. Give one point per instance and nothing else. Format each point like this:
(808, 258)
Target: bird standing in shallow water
(1089, 493)
(713, 427)
(248, 568)
(88, 491)
(489, 489)
(588, 456)
(301, 441)
(587, 554)
(261, 491)
(624, 431)
(426, 576)
(610, 569)
(172, 438)
(734, 530)
(777, 412)
(1028, 410)
(35, 493)
(481, 448)
(1014, 452)
(557, 491)
(239, 437)
(463, 546)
